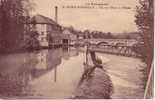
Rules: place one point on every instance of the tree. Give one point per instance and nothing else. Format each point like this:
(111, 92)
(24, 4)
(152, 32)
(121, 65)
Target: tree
(109, 35)
(145, 23)
(31, 41)
(12, 27)
(86, 34)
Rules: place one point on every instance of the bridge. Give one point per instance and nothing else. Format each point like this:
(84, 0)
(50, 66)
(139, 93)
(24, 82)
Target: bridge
(125, 42)
(123, 47)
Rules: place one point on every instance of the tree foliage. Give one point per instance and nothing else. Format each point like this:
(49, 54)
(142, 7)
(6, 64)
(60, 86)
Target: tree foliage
(12, 18)
(145, 23)
(31, 41)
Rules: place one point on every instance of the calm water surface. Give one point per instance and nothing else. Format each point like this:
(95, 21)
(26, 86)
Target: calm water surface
(54, 73)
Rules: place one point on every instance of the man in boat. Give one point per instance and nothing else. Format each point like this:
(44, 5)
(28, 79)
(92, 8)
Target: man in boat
(97, 62)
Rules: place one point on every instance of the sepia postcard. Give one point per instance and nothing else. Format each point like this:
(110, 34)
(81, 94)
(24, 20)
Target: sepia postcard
(76, 49)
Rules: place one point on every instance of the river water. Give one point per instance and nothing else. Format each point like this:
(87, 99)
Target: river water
(54, 73)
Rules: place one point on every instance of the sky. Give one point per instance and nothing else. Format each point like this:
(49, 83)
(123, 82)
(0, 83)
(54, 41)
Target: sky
(106, 20)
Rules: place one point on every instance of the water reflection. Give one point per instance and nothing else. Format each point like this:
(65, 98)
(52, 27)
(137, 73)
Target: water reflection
(19, 70)
(69, 52)
(46, 61)
(51, 73)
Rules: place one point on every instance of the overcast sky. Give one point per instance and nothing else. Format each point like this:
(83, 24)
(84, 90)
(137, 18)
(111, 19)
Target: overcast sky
(106, 20)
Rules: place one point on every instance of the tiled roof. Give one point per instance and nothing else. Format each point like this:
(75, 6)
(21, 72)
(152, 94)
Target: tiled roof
(42, 20)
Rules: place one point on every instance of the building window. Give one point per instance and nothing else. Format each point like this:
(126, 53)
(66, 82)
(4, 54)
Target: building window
(42, 33)
(42, 38)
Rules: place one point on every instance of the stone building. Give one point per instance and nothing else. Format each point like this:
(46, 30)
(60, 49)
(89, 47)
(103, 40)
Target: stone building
(48, 30)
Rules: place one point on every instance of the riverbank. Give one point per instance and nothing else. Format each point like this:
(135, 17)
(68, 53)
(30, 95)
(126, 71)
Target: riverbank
(120, 79)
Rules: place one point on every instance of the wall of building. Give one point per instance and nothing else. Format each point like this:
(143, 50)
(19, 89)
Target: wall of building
(42, 31)
(56, 36)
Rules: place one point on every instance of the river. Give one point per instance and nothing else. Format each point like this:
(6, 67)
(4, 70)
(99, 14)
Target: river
(58, 73)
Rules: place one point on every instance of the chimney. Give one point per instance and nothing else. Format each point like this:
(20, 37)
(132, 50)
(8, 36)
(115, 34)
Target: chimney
(56, 14)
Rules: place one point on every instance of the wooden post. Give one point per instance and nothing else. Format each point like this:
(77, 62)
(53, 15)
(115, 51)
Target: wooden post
(149, 85)
(55, 74)
(86, 54)
(56, 14)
